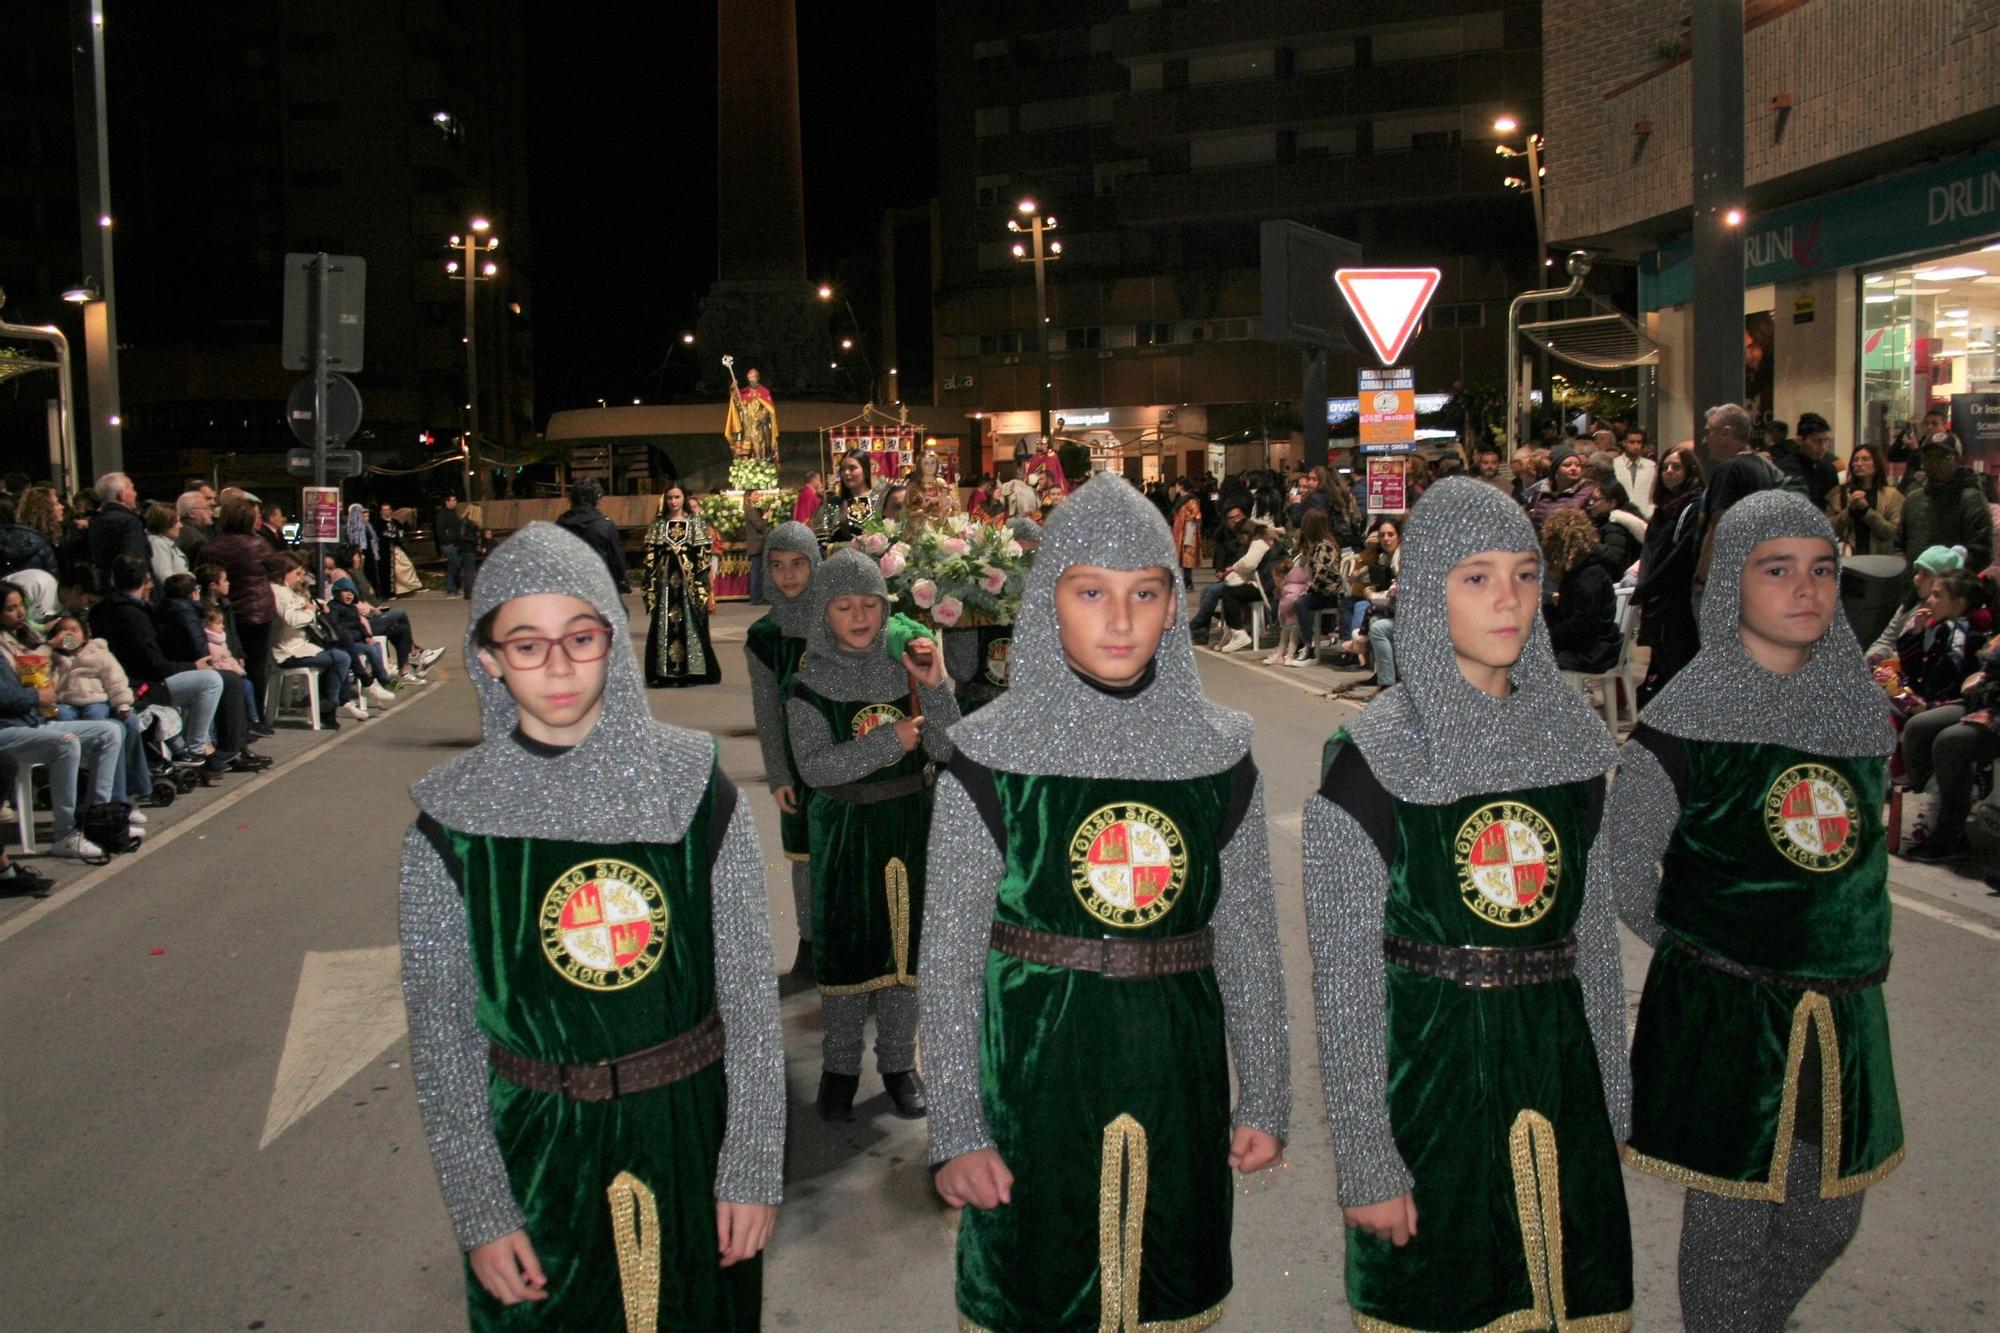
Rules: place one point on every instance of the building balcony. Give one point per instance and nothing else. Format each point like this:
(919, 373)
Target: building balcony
(1313, 185)
(1512, 79)
(1194, 28)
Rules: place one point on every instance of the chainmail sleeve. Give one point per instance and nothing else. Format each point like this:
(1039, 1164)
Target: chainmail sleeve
(1251, 975)
(448, 1051)
(823, 762)
(1347, 896)
(1601, 973)
(1639, 819)
(940, 705)
(953, 994)
(751, 1166)
(768, 709)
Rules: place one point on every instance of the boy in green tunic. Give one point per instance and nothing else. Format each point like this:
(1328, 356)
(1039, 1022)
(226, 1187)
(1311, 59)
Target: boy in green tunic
(587, 968)
(867, 753)
(1110, 918)
(774, 646)
(1470, 1002)
(1750, 853)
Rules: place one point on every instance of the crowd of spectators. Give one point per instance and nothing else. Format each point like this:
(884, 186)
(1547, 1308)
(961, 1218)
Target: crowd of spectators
(138, 642)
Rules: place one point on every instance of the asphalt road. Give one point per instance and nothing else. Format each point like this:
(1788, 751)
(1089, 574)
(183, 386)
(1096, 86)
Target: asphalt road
(206, 1118)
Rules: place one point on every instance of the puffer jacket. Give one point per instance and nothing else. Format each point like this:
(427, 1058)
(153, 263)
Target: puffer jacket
(90, 675)
(24, 548)
(1953, 514)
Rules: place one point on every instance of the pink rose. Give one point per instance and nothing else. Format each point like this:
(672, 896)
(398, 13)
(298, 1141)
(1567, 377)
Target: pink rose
(955, 546)
(875, 543)
(924, 593)
(991, 579)
(1013, 549)
(947, 611)
(893, 561)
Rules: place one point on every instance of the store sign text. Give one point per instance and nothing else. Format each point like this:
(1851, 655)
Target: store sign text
(1967, 197)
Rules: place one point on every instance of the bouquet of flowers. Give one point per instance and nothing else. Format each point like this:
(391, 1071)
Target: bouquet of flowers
(753, 474)
(949, 573)
(724, 513)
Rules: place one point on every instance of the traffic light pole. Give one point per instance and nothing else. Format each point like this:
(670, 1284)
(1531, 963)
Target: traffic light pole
(321, 335)
(471, 359)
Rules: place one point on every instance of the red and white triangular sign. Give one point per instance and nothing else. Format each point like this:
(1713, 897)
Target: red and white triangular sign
(1388, 302)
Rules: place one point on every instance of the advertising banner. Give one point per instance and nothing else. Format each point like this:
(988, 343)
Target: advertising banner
(319, 513)
(1388, 483)
(1388, 407)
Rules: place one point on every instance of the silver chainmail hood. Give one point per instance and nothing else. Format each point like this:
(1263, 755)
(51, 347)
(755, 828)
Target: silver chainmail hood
(792, 614)
(1025, 529)
(1435, 738)
(835, 672)
(1068, 728)
(1829, 706)
(630, 780)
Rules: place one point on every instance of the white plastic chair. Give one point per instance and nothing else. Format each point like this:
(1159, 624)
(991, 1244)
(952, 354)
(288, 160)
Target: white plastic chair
(24, 803)
(277, 705)
(1608, 682)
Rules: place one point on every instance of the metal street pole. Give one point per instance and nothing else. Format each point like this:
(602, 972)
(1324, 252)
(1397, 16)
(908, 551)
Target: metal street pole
(62, 427)
(93, 176)
(1535, 191)
(1716, 124)
(471, 360)
(1579, 268)
(1042, 319)
(322, 333)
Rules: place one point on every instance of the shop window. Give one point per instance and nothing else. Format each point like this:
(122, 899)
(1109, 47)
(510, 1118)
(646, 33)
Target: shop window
(1929, 329)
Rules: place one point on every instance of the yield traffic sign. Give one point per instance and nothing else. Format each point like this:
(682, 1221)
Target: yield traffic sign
(1387, 302)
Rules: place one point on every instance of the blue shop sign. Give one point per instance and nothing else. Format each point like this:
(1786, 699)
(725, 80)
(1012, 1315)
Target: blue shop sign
(1928, 209)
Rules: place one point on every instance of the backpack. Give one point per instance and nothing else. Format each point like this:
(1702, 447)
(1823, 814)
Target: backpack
(109, 825)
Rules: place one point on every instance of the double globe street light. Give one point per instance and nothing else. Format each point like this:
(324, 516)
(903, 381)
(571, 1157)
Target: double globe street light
(477, 265)
(1038, 250)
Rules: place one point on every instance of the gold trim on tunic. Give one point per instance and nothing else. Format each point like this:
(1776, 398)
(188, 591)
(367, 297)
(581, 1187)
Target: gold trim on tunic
(1813, 1016)
(896, 887)
(635, 1230)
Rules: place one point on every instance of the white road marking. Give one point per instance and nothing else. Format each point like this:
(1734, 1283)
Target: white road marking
(70, 893)
(1946, 915)
(348, 1010)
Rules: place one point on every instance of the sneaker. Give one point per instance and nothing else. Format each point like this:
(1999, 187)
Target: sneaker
(21, 880)
(78, 848)
(135, 833)
(427, 656)
(356, 709)
(381, 693)
(1303, 660)
(1236, 642)
(1276, 659)
(137, 817)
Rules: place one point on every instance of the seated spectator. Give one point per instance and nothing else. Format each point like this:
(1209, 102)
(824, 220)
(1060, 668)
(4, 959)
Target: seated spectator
(1293, 579)
(1372, 597)
(1620, 530)
(1579, 597)
(371, 668)
(66, 750)
(1924, 571)
(1935, 652)
(196, 508)
(292, 647)
(1949, 744)
(163, 530)
(91, 686)
(212, 596)
(389, 622)
(1249, 578)
(23, 547)
(125, 621)
(1319, 557)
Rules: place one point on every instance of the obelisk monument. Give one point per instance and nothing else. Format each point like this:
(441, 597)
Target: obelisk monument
(761, 309)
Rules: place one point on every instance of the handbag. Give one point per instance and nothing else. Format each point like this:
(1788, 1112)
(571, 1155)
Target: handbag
(320, 632)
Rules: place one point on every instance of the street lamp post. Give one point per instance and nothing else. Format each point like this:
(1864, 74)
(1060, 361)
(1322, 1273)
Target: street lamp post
(827, 292)
(1038, 252)
(476, 241)
(1533, 152)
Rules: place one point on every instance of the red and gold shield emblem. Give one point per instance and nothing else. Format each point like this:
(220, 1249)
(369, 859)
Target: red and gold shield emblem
(604, 924)
(1127, 864)
(873, 716)
(999, 660)
(1509, 862)
(1809, 813)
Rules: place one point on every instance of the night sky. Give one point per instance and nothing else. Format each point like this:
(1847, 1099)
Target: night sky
(623, 162)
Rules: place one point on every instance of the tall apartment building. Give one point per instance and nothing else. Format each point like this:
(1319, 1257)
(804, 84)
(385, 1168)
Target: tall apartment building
(1160, 135)
(1871, 229)
(244, 129)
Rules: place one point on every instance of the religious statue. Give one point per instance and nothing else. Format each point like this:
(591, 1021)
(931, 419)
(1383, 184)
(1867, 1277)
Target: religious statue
(752, 427)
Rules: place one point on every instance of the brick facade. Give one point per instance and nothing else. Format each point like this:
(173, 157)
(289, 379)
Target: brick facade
(1862, 74)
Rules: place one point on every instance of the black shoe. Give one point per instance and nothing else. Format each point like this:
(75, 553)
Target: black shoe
(25, 882)
(262, 729)
(250, 763)
(802, 964)
(328, 722)
(1936, 850)
(1992, 884)
(906, 1090)
(221, 763)
(836, 1096)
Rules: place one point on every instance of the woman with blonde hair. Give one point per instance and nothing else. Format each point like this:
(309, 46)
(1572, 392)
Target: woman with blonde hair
(1579, 594)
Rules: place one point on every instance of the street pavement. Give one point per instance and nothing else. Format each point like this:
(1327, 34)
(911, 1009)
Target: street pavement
(206, 1117)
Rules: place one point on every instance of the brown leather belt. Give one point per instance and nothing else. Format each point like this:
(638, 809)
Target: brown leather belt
(656, 1066)
(1788, 980)
(1116, 959)
(868, 793)
(1476, 968)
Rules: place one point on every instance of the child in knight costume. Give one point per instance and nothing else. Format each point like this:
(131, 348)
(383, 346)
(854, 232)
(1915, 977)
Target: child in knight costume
(1750, 853)
(587, 968)
(1470, 1003)
(774, 645)
(1110, 918)
(868, 758)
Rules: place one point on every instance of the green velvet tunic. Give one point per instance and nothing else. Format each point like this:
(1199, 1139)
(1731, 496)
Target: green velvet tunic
(781, 654)
(868, 863)
(585, 952)
(1779, 863)
(1108, 1100)
(993, 653)
(1495, 1096)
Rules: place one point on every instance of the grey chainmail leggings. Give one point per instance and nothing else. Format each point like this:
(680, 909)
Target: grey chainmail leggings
(1746, 1264)
(802, 898)
(895, 1030)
